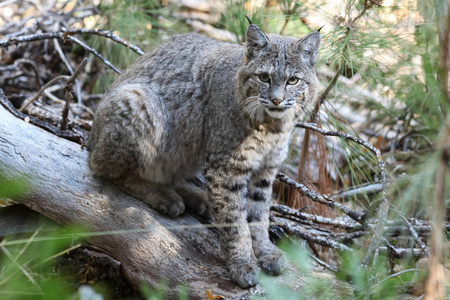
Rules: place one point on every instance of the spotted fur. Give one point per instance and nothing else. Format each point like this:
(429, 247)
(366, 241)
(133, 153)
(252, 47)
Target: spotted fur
(196, 105)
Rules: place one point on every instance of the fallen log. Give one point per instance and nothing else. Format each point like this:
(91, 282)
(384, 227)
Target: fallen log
(155, 249)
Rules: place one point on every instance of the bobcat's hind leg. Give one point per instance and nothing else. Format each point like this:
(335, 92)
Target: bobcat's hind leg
(160, 197)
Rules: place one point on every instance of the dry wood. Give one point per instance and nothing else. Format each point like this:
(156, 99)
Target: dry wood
(154, 249)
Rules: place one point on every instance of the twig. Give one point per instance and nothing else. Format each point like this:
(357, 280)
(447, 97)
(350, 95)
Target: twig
(318, 240)
(68, 89)
(287, 17)
(413, 232)
(93, 51)
(69, 67)
(367, 6)
(394, 275)
(105, 34)
(30, 63)
(366, 189)
(327, 90)
(363, 143)
(31, 38)
(62, 77)
(314, 218)
(383, 207)
(53, 97)
(322, 263)
(403, 252)
(319, 198)
(344, 238)
(66, 134)
(57, 35)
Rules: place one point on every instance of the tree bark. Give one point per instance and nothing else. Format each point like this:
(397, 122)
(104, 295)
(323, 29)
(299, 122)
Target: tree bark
(161, 250)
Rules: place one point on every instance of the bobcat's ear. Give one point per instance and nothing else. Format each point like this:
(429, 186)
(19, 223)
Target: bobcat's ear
(307, 48)
(256, 42)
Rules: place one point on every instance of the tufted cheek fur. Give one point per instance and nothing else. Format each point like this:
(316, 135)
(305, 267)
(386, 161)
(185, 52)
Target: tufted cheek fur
(281, 59)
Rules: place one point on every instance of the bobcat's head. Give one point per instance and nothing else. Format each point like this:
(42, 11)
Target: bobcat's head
(278, 79)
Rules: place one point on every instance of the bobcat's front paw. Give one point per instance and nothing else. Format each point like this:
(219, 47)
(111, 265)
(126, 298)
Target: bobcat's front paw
(244, 275)
(273, 263)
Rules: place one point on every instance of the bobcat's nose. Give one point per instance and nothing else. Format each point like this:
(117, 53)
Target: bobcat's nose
(276, 102)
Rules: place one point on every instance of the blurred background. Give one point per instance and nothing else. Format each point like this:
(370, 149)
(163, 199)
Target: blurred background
(383, 68)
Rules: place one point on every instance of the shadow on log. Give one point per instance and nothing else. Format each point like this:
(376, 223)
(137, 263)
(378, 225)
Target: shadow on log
(175, 251)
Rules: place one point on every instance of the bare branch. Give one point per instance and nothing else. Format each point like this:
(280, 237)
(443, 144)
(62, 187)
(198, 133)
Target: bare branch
(93, 51)
(56, 79)
(69, 67)
(319, 198)
(383, 208)
(288, 228)
(55, 35)
(413, 232)
(68, 89)
(31, 38)
(66, 134)
(285, 210)
(105, 34)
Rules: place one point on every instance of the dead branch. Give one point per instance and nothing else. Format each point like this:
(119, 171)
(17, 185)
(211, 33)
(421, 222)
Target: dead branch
(413, 232)
(383, 205)
(294, 230)
(55, 35)
(79, 137)
(31, 38)
(285, 210)
(39, 93)
(69, 67)
(93, 51)
(359, 141)
(150, 247)
(356, 191)
(68, 88)
(314, 196)
(106, 34)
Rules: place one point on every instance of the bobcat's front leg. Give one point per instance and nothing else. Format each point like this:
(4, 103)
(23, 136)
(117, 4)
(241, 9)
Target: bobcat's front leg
(270, 258)
(227, 199)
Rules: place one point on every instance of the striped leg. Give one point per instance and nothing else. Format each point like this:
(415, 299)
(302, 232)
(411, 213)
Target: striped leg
(270, 258)
(227, 197)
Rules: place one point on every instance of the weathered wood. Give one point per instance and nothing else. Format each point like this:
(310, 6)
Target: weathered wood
(175, 251)
(17, 218)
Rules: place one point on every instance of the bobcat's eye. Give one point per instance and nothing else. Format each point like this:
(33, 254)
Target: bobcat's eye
(292, 80)
(264, 77)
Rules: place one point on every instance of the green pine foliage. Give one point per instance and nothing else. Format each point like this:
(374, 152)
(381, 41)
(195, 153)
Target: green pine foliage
(398, 63)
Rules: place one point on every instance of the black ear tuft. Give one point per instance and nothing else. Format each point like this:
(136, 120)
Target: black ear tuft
(248, 19)
(257, 41)
(320, 28)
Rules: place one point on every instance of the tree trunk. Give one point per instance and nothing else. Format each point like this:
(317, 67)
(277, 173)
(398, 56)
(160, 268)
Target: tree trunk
(175, 251)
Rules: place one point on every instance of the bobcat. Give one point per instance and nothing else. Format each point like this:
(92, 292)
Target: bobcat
(195, 104)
